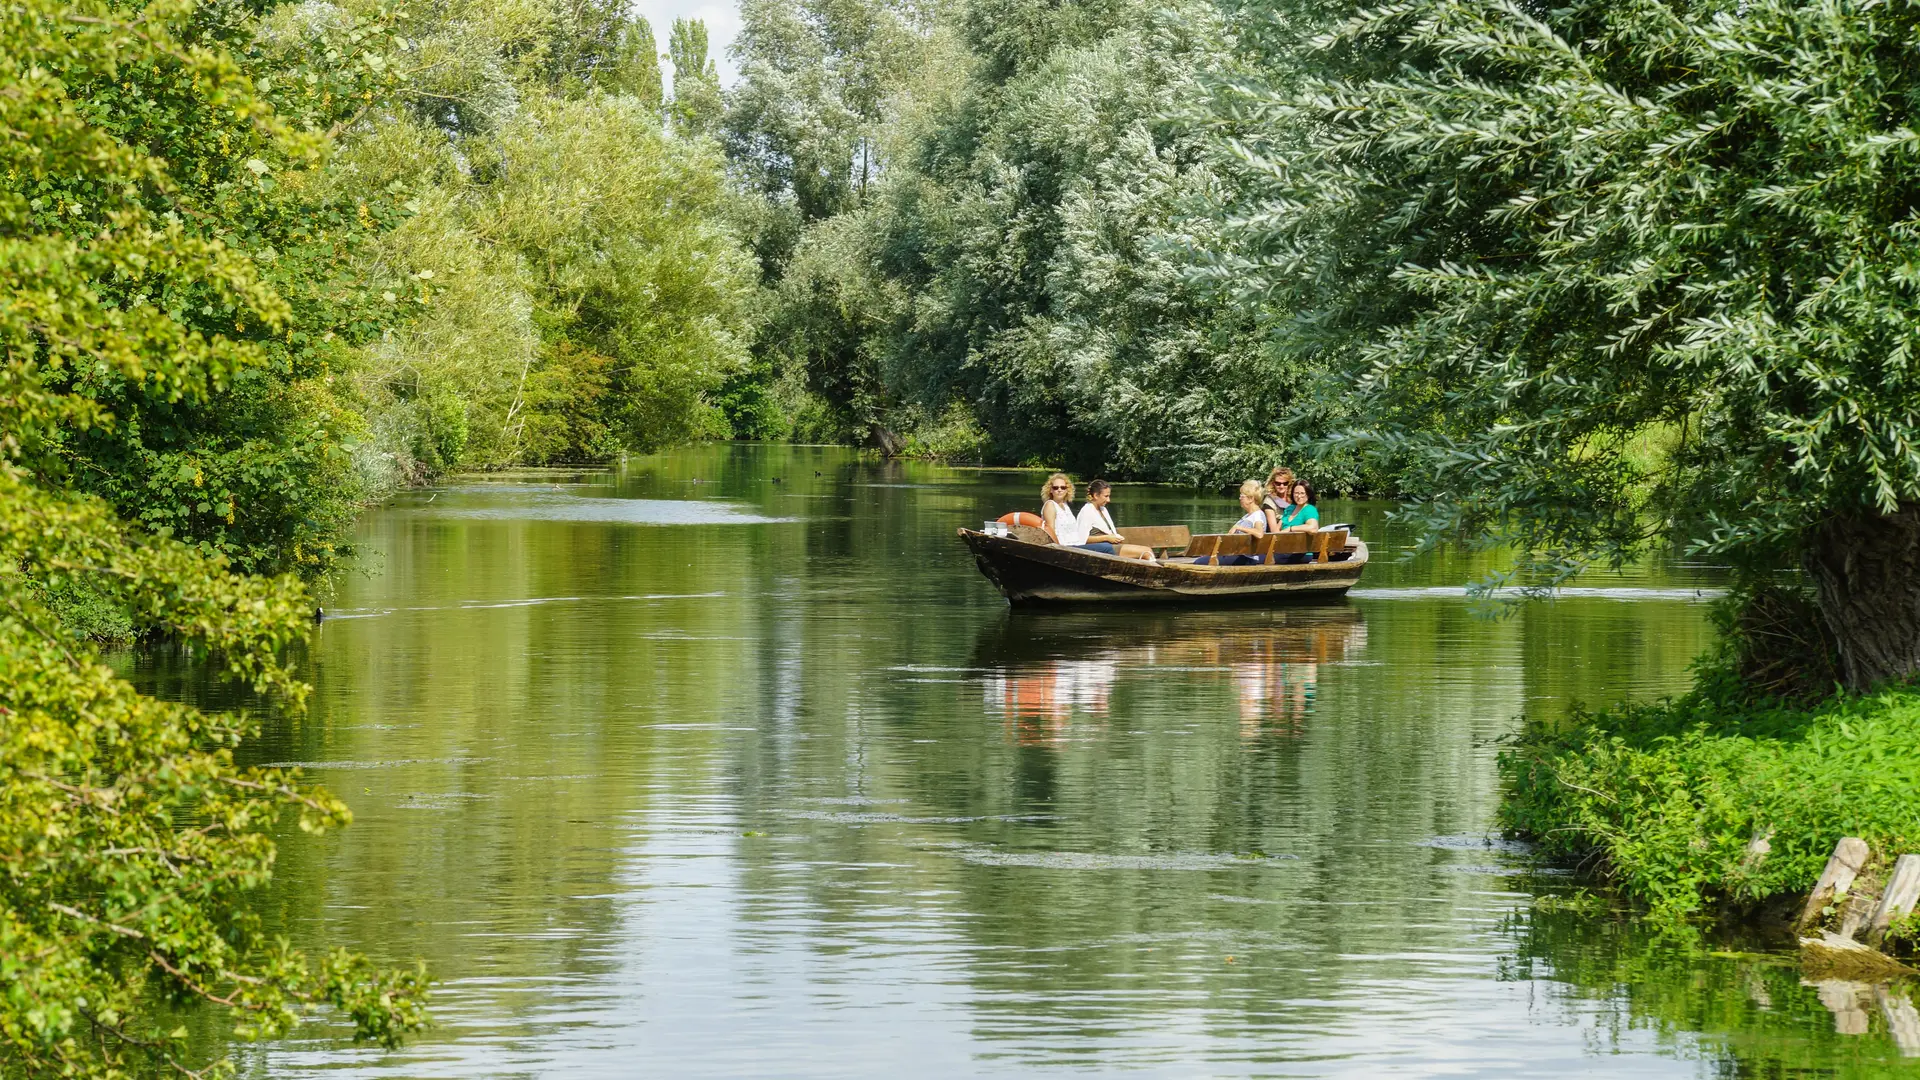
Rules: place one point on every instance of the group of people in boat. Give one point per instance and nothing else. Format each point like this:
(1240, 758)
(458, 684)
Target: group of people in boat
(1284, 505)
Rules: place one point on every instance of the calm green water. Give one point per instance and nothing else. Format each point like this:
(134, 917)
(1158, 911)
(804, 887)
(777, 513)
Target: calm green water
(728, 763)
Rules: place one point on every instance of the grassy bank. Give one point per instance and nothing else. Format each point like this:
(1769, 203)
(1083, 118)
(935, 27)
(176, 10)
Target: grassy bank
(1668, 798)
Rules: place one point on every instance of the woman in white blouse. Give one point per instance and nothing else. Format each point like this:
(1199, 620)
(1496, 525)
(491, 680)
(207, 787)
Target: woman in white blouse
(1056, 512)
(1096, 523)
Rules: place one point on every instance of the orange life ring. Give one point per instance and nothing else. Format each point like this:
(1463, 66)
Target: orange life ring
(1021, 517)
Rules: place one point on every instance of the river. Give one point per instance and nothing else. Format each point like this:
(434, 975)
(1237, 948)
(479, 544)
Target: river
(727, 762)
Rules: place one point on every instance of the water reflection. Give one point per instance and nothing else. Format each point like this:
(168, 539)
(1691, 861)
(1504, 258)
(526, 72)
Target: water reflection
(769, 781)
(1051, 670)
(1743, 1013)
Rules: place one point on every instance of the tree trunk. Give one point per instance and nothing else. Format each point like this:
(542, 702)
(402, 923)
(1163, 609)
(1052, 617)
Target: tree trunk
(890, 445)
(1866, 577)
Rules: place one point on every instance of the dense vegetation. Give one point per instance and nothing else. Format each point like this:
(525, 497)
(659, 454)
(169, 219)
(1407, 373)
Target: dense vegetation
(261, 264)
(1579, 281)
(990, 256)
(1672, 795)
(154, 361)
(1583, 280)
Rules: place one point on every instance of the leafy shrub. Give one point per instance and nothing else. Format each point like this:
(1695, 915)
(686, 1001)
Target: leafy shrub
(1669, 796)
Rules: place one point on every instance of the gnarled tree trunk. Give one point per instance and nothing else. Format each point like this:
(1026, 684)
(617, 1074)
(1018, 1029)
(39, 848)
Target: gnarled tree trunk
(1866, 576)
(890, 445)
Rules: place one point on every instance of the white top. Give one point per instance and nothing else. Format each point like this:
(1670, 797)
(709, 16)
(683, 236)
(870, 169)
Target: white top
(1095, 519)
(1066, 528)
(1258, 517)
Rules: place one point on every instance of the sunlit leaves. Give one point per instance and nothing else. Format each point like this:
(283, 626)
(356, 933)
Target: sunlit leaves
(128, 837)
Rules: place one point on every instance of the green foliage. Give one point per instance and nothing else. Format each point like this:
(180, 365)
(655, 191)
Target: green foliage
(604, 46)
(1531, 238)
(549, 218)
(697, 106)
(805, 122)
(1670, 796)
(253, 469)
(949, 436)
(996, 210)
(128, 837)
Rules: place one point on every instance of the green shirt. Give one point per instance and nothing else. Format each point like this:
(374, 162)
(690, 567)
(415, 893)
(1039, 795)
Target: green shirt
(1297, 514)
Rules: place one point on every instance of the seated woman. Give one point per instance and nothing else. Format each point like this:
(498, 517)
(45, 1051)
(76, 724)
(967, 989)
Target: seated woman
(1254, 523)
(1279, 483)
(1097, 523)
(1300, 516)
(1056, 511)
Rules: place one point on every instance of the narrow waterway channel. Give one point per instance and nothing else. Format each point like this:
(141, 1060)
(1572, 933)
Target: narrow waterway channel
(727, 762)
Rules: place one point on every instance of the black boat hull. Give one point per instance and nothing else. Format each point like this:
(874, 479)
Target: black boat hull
(1045, 574)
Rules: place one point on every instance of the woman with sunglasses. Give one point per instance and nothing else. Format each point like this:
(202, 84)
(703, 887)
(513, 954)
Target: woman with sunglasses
(1056, 514)
(1279, 485)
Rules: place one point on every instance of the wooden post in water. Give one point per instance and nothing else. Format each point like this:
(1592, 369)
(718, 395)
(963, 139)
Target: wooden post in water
(1849, 855)
(1903, 889)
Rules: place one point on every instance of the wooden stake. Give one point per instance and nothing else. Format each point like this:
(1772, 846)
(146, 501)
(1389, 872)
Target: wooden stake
(1849, 855)
(1902, 890)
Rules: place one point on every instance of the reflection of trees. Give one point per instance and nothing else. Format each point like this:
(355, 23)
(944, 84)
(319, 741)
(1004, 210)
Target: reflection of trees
(861, 696)
(1271, 658)
(1758, 1017)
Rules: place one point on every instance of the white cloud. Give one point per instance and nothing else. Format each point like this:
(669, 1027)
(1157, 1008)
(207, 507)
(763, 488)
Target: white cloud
(722, 19)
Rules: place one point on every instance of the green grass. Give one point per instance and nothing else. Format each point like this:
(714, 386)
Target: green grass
(1669, 796)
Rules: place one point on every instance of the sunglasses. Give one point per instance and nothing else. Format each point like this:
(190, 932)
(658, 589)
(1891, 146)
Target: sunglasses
(1059, 487)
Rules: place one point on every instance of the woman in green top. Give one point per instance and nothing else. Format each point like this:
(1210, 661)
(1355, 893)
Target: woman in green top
(1299, 517)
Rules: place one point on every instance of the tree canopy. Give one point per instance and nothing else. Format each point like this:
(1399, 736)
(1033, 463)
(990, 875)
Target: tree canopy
(1615, 274)
(128, 836)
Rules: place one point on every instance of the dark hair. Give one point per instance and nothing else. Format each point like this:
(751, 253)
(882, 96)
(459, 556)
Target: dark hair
(1095, 487)
(1299, 483)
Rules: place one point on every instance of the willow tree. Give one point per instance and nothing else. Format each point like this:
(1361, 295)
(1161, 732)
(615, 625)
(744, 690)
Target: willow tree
(1617, 273)
(129, 839)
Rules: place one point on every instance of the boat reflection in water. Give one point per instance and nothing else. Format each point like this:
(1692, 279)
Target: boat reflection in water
(1053, 676)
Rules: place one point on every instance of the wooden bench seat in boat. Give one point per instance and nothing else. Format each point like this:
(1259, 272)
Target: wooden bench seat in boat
(1283, 543)
(1325, 545)
(1158, 537)
(1207, 545)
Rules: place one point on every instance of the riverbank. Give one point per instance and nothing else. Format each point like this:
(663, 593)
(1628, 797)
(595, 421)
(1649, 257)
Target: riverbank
(1700, 803)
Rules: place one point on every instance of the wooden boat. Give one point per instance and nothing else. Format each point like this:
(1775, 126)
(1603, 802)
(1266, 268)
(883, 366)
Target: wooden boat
(1028, 568)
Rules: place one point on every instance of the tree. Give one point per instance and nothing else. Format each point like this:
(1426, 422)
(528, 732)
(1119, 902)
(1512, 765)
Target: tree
(805, 120)
(256, 470)
(697, 104)
(129, 840)
(1619, 273)
(604, 45)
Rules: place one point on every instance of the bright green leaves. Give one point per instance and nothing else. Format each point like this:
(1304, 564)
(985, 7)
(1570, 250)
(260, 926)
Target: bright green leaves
(128, 838)
(1671, 795)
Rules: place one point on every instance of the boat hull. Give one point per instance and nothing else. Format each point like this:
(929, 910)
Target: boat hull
(1045, 574)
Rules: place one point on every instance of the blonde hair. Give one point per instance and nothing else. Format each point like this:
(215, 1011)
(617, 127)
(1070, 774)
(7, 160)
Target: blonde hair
(1282, 474)
(1251, 490)
(1046, 489)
